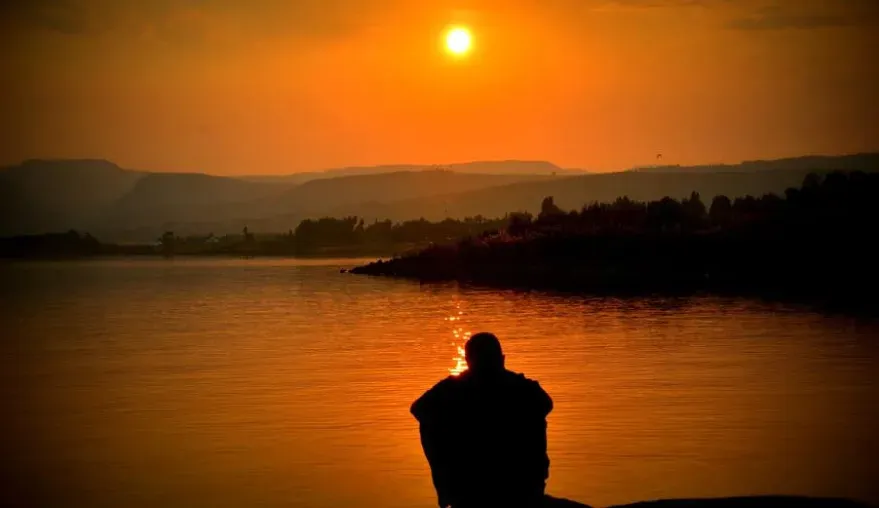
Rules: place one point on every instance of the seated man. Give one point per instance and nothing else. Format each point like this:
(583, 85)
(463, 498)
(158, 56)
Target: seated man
(484, 433)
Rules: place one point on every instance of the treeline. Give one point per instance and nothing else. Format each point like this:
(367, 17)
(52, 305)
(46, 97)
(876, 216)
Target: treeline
(55, 245)
(816, 201)
(683, 238)
(818, 238)
(336, 236)
(71, 244)
(314, 235)
(349, 236)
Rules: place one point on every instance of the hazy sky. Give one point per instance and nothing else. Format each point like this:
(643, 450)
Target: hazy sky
(272, 86)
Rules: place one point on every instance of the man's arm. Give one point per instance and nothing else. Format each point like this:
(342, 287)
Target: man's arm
(436, 451)
(429, 410)
(538, 401)
(544, 401)
(541, 407)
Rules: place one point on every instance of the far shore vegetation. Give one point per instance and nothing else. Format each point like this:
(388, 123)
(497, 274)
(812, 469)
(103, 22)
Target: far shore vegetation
(324, 237)
(818, 238)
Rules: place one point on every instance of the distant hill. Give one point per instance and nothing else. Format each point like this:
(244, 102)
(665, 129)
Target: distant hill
(853, 162)
(291, 179)
(189, 202)
(130, 206)
(574, 192)
(510, 167)
(323, 195)
(56, 195)
(157, 190)
(198, 204)
(116, 204)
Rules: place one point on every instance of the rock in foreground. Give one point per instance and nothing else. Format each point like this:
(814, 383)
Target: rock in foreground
(725, 502)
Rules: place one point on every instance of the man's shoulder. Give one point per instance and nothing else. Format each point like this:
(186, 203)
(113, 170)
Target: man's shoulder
(448, 381)
(445, 385)
(531, 390)
(522, 380)
(428, 402)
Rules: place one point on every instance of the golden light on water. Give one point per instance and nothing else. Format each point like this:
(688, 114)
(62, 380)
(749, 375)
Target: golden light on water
(460, 362)
(460, 337)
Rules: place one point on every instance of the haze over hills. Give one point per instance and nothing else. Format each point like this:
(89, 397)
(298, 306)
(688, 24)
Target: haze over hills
(508, 167)
(191, 202)
(572, 193)
(852, 162)
(120, 205)
(55, 195)
(319, 196)
(199, 204)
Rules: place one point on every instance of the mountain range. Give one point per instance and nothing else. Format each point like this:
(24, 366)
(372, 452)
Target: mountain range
(122, 205)
(508, 167)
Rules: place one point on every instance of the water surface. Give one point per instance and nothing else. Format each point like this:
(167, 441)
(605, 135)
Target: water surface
(273, 383)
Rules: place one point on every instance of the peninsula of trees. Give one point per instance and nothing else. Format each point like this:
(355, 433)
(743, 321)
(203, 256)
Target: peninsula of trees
(818, 239)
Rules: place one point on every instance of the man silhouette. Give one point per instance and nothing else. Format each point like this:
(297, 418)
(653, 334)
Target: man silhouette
(484, 433)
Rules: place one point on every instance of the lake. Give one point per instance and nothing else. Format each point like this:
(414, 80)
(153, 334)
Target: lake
(283, 383)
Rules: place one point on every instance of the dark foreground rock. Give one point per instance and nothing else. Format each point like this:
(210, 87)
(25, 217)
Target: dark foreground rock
(750, 502)
(788, 266)
(726, 502)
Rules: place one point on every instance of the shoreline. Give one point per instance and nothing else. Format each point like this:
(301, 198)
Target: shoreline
(849, 304)
(223, 255)
(768, 501)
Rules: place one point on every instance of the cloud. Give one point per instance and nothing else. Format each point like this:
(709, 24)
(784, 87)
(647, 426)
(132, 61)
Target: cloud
(62, 16)
(193, 22)
(186, 22)
(806, 16)
(636, 5)
(773, 20)
(661, 3)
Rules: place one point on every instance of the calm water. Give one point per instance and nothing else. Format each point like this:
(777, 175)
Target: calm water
(204, 383)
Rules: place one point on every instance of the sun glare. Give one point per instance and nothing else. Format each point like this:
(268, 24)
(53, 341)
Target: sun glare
(458, 41)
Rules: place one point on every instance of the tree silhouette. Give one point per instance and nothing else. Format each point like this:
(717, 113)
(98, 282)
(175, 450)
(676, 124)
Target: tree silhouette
(519, 223)
(665, 214)
(720, 212)
(757, 244)
(811, 182)
(548, 208)
(694, 211)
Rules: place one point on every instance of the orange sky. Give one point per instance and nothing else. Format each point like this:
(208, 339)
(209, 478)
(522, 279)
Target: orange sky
(272, 86)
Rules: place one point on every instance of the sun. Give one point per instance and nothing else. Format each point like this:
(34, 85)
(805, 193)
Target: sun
(458, 41)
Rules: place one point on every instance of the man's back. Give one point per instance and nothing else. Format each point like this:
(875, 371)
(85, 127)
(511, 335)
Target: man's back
(484, 434)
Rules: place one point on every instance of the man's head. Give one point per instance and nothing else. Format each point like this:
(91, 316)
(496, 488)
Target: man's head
(483, 353)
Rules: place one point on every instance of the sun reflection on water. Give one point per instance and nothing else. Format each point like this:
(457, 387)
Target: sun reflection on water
(460, 337)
